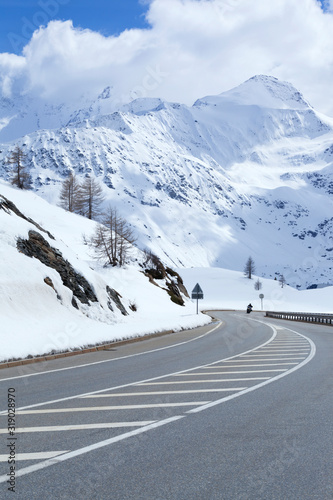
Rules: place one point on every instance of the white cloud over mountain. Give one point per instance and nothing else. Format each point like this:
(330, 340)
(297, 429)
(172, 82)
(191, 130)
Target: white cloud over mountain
(192, 48)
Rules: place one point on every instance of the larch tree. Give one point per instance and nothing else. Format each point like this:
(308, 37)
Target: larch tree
(249, 268)
(113, 239)
(20, 176)
(70, 194)
(258, 285)
(91, 198)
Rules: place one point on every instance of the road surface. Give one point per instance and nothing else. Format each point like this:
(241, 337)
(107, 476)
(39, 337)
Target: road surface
(239, 409)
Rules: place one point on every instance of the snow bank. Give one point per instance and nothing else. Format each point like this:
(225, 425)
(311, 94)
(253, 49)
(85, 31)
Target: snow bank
(225, 289)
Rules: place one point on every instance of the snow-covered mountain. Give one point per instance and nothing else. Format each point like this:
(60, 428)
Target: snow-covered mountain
(247, 172)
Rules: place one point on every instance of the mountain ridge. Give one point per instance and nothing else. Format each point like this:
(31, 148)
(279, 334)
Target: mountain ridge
(246, 172)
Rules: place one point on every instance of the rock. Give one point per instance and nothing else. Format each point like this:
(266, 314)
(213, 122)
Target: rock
(36, 246)
(115, 297)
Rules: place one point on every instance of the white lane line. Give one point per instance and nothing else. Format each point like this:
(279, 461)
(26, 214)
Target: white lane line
(243, 371)
(131, 384)
(111, 360)
(240, 365)
(259, 355)
(272, 359)
(194, 382)
(285, 349)
(87, 449)
(41, 455)
(218, 373)
(154, 393)
(109, 408)
(79, 427)
(217, 380)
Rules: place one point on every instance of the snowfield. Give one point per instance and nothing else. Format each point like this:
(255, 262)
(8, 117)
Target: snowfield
(34, 321)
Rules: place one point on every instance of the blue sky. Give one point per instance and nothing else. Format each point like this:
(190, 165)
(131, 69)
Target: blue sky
(19, 18)
(192, 48)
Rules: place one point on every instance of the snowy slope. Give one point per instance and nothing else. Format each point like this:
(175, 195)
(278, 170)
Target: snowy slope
(38, 319)
(247, 172)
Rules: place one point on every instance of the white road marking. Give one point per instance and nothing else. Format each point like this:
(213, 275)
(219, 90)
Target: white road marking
(79, 427)
(218, 373)
(284, 350)
(260, 355)
(109, 408)
(42, 455)
(194, 382)
(153, 393)
(240, 365)
(87, 449)
(269, 359)
(243, 371)
(157, 424)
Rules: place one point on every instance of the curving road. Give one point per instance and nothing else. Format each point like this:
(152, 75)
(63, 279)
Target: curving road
(240, 409)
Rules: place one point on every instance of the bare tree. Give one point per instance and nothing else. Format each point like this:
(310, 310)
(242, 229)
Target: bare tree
(113, 239)
(21, 177)
(249, 268)
(91, 198)
(70, 194)
(282, 280)
(258, 285)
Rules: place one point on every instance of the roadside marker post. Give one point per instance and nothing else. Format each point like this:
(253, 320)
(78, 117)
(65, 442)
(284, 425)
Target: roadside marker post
(261, 297)
(197, 294)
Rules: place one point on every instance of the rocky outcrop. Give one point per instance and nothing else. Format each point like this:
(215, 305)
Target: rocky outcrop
(37, 246)
(115, 297)
(174, 283)
(9, 207)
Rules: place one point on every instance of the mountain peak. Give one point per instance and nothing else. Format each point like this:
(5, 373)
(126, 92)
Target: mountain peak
(267, 91)
(263, 91)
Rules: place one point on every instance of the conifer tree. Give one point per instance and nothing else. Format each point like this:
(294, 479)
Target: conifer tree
(91, 198)
(70, 194)
(20, 177)
(249, 268)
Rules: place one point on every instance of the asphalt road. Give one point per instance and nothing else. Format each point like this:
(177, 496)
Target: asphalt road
(238, 410)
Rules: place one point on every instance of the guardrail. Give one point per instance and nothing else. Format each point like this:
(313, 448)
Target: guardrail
(326, 319)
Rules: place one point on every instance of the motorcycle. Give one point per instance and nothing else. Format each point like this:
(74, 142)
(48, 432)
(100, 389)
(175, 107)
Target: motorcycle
(249, 308)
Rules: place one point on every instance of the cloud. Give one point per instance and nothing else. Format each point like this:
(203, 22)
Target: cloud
(193, 48)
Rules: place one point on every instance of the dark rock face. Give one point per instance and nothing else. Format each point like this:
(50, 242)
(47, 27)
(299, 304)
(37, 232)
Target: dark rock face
(115, 297)
(8, 206)
(174, 282)
(36, 246)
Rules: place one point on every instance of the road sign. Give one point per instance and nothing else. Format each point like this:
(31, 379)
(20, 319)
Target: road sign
(197, 294)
